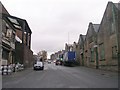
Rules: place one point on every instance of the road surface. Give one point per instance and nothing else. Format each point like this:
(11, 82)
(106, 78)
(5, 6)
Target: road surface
(61, 77)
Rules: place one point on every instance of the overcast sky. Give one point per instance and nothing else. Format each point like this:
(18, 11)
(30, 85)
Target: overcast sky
(52, 20)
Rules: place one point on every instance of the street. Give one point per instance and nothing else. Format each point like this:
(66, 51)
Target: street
(61, 77)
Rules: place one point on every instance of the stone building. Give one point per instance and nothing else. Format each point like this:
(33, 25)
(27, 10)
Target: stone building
(52, 57)
(68, 47)
(108, 38)
(76, 50)
(102, 43)
(81, 49)
(90, 51)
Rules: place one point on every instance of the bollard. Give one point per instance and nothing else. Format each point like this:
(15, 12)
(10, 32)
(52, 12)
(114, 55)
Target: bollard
(13, 67)
(16, 68)
(1, 70)
(9, 69)
(5, 70)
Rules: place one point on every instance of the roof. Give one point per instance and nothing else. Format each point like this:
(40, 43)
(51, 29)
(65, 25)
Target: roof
(96, 27)
(17, 23)
(3, 9)
(117, 5)
(83, 36)
(69, 44)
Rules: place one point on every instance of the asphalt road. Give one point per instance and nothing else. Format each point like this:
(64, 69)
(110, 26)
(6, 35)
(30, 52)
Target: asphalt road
(61, 77)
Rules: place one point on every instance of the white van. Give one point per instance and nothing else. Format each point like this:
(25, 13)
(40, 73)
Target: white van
(38, 65)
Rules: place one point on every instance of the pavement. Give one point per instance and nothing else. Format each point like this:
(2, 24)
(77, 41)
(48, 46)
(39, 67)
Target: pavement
(61, 77)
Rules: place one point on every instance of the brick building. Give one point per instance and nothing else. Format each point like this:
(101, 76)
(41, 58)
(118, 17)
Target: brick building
(7, 38)
(17, 34)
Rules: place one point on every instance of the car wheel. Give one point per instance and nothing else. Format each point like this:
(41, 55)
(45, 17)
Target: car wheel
(34, 68)
(43, 68)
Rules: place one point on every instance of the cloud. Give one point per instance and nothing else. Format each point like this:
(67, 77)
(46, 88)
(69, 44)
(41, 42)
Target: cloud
(52, 20)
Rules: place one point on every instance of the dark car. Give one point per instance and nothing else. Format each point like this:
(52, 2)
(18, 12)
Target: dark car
(57, 62)
(61, 62)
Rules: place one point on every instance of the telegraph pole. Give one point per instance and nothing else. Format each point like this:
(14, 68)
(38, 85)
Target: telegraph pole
(68, 37)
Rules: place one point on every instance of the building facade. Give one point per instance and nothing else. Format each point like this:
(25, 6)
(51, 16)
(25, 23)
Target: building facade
(76, 50)
(101, 45)
(16, 40)
(7, 39)
(68, 47)
(90, 50)
(107, 38)
(81, 49)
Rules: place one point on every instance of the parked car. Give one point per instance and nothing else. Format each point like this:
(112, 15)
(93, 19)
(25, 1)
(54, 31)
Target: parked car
(49, 61)
(38, 65)
(61, 62)
(57, 62)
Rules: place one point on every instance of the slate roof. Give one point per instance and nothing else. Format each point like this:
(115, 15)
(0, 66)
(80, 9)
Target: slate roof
(17, 22)
(83, 37)
(96, 27)
(117, 5)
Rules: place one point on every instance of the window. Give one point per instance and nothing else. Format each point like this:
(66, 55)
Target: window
(92, 54)
(4, 28)
(13, 37)
(102, 51)
(113, 22)
(5, 54)
(9, 33)
(112, 29)
(114, 52)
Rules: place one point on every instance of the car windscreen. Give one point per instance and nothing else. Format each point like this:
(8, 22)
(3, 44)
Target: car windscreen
(39, 63)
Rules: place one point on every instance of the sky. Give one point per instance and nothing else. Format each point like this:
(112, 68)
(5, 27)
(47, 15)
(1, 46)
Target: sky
(56, 22)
